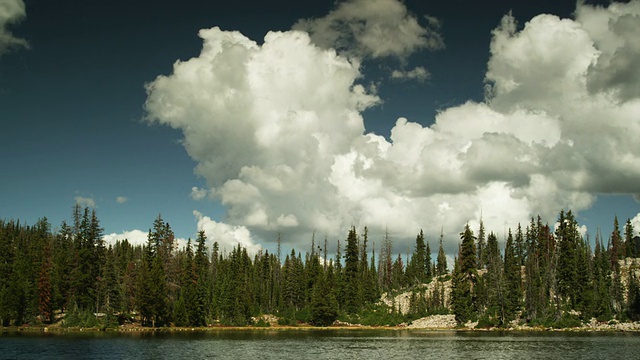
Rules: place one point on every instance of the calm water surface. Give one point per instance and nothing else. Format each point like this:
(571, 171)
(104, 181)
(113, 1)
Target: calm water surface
(326, 344)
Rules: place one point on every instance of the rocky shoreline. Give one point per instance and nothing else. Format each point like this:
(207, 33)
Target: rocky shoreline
(429, 323)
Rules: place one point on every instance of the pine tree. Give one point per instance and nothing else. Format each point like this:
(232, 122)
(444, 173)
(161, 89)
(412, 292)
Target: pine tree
(323, 304)
(481, 246)
(465, 278)
(461, 303)
(513, 279)
(567, 269)
(417, 268)
(616, 252)
(520, 250)
(353, 300)
(45, 301)
(630, 248)
(441, 267)
(601, 279)
(496, 302)
(385, 264)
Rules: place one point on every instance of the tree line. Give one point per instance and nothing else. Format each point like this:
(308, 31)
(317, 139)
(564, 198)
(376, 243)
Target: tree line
(546, 277)
(540, 276)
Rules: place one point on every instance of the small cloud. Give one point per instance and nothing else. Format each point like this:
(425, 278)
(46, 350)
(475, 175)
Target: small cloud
(85, 201)
(373, 28)
(198, 194)
(228, 236)
(121, 199)
(134, 237)
(11, 11)
(635, 222)
(419, 73)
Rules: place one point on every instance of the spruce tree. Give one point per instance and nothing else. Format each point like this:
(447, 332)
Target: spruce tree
(567, 236)
(353, 300)
(629, 246)
(513, 279)
(441, 267)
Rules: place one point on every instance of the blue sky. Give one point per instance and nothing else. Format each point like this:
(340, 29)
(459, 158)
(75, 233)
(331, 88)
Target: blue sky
(81, 122)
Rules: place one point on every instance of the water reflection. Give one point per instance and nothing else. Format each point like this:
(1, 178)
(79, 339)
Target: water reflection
(321, 344)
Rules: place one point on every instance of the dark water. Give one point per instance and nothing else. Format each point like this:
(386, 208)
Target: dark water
(326, 344)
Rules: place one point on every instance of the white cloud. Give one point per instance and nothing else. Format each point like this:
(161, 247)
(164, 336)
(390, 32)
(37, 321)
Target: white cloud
(376, 28)
(11, 12)
(227, 236)
(121, 199)
(85, 201)
(134, 237)
(277, 131)
(419, 73)
(636, 224)
(198, 194)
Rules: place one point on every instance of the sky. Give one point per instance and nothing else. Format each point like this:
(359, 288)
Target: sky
(251, 119)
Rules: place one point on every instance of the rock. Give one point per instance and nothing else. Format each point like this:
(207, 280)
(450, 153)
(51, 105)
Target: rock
(434, 322)
(401, 302)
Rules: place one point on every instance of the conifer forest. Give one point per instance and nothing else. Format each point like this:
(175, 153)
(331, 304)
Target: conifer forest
(539, 276)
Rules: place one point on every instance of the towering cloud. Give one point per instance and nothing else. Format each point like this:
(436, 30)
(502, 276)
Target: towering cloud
(277, 129)
(11, 11)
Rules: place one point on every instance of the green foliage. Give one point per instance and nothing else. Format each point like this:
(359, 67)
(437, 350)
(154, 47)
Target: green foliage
(324, 306)
(43, 273)
(81, 318)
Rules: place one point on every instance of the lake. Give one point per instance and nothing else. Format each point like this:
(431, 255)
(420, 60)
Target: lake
(321, 344)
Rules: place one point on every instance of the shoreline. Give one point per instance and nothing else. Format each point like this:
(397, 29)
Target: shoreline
(627, 328)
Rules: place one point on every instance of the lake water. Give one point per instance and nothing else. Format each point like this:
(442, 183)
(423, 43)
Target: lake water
(321, 344)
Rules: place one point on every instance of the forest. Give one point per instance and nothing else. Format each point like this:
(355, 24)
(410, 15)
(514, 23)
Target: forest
(541, 277)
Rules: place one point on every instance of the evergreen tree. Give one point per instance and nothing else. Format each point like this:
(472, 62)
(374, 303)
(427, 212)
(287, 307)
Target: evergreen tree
(45, 301)
(465, 278)
(567, 236)
(323, 304)
(520, 250)
(461, 303)
(417, 268)
(616, 252)
(496, 302)
(513, 279)
(353, 300)
(441, 267)
(629, 246)
(601, 278)
(481, 246)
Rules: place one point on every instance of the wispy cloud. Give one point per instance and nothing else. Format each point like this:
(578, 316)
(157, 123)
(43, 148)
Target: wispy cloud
(85, 201)
(121, 199)
(419, 73)
(375, 28)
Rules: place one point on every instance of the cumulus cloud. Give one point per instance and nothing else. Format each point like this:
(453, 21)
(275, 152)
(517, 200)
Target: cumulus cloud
(375, 28)
(134, 237)
(227, 236)
(121, 199)
(85, 201)
(277, 132)
(419, 73)
(614, 31)
(635, 222)
(11, 12)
